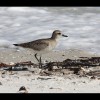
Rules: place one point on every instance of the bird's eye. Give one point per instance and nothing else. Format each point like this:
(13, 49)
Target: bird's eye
(59, 33)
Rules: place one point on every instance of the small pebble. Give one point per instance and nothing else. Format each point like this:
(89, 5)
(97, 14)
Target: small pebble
(0, 83)
(93, 77)
(22, 90)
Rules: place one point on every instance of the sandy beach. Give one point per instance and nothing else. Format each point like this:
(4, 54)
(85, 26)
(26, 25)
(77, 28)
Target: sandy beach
(26, 24)
(34, 82)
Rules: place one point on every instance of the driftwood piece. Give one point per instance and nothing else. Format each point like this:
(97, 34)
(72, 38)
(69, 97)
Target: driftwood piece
(94, 73)
(4, 65)
(17, 66)
(77, 63)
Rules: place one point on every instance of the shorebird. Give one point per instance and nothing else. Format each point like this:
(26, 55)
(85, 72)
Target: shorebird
(42, 46)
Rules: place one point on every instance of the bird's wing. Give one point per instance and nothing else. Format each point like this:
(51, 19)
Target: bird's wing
(39, 45)
(36, 45)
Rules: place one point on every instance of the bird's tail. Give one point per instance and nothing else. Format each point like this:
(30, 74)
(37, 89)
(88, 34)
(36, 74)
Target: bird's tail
(16, 44)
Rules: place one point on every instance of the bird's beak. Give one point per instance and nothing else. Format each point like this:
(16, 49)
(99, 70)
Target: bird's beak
(64, 35)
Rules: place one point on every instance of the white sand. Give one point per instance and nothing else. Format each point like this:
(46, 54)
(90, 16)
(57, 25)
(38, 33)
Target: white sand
(48, 84)
(34, 83)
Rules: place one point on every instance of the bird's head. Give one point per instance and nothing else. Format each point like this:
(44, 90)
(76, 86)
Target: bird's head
(57, 34)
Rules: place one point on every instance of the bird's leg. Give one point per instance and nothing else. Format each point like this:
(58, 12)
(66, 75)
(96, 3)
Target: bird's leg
(40, 64)
(39, 60)
(36, 57)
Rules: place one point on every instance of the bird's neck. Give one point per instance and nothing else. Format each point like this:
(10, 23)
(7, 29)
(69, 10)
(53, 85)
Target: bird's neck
(55, 38)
